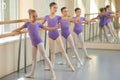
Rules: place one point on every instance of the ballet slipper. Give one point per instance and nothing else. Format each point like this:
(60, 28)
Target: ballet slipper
(71, 67)
(53, 78)
(73, 56)
(61, 63)
(47, 69)
(78, 65)
(87, 57)
(81, 63)
(29, 76)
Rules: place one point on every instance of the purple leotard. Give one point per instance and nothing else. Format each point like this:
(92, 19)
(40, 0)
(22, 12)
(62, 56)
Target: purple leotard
(65, 28)
(103, 20)
(33, 30)
(109, 19)
(52, 22)
(78, 27)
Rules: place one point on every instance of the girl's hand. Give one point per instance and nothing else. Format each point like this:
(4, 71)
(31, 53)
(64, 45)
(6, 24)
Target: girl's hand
(78, 21)
(58, 26)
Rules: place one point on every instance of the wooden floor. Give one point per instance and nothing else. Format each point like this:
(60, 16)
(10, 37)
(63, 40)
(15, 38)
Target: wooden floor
(105, 65)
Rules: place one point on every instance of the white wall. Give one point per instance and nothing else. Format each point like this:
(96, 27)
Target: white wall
(9, 55)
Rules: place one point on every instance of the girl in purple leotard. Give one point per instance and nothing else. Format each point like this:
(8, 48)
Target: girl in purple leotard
(37, 43)
(110, 23)
(102, 23)
(65, 32)
(53, 20)
(78, 31)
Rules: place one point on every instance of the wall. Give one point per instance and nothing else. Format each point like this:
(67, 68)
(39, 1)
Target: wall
(9, 55)
(117, 20)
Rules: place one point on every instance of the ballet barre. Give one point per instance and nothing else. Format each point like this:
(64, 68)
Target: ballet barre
(12, 34)
(16, 21)
(91, 13)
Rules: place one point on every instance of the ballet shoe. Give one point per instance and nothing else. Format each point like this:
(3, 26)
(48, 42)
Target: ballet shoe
(71, 67)
(47, 69)
(61, 63)
(87, 57)
(78, 65)
(29, 76)
(73, 56)
(53, 78)
(81, 63)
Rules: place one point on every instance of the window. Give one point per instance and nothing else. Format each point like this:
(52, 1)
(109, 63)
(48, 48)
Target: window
(8, 11)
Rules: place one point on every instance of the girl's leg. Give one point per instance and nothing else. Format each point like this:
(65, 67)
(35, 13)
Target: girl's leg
(34, 52)
(65, 47)
(109, 27)
(105, 33)
(52, 53)
(80, 36)
(113, 30)
(64, 41)
(75, 41)
(42, 51)
(61, 47)
(71, 42)
(100, 34)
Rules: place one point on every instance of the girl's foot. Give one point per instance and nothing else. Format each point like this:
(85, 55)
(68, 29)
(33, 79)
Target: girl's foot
(29, 76)
(88, 57)
(71, 67)
(78, 65)
(47, 69)
(73, 56)
(53, 77)
(61, 63)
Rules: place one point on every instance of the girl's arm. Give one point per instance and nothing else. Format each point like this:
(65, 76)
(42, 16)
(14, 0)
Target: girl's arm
(80, 22)
(18, 29)
(52, 28)
(43, 22)
(87, 21)
(113, 16)
(72, 20)
(95, 18)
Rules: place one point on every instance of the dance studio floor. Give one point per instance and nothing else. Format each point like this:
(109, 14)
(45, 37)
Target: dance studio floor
(105, 65)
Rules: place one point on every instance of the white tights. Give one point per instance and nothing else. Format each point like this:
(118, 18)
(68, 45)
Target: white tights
(112, 30)
(72, 45)
(105, 33)
(61, 48)
(41, 49)
(81, 39)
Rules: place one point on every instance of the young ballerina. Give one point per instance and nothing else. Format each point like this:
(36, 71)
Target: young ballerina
(78, 31)
(37, 44)
(102, 23)
(65, 32)
(53, 20)
(110, 23)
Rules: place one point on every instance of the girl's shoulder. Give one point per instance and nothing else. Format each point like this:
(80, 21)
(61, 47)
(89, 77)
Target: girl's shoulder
(46, 16)
(82, 17)
(58, 16)
(27, 23)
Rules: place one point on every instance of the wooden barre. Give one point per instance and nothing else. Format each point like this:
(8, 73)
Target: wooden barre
(12, 34)
(16, 21)
(91, 14)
